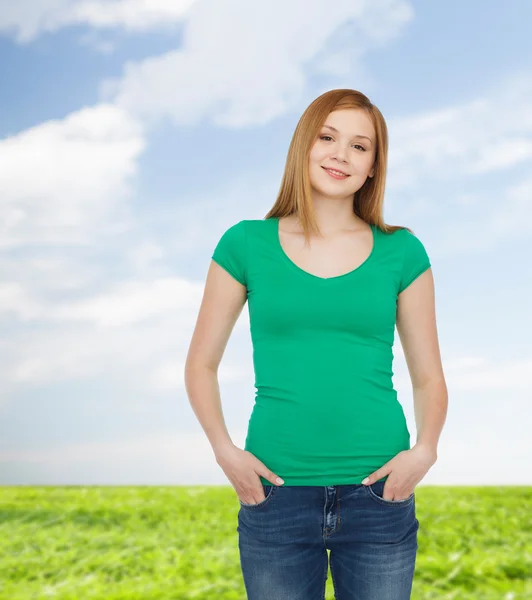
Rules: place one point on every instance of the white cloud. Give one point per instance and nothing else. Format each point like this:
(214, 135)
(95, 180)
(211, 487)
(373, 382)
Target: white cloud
(131, 325)
(146, 254)
(471, 139)
(508, 377)
(134, 331)
(475, 373)
(129, 302)
(169, 376)
(75, 319)
(502, 216)
(15, 299)
(63, 181)
(240, 69)
(27, 19)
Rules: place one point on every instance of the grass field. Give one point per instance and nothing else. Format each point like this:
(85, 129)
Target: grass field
(179, 542)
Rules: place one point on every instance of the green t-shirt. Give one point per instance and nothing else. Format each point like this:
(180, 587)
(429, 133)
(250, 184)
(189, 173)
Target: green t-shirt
(325, 411)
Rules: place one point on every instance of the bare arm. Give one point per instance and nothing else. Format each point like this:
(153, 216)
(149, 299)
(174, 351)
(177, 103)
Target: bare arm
(222, 304)
(416, 325)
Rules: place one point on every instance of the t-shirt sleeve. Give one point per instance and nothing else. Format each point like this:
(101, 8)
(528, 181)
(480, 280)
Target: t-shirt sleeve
(231, 252)
(415, 260)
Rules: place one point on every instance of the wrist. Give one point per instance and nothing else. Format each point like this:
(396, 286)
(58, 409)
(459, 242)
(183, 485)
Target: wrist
(430, 449)
(223, 448)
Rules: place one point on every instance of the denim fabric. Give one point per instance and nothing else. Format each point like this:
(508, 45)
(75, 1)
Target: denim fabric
(372, 543)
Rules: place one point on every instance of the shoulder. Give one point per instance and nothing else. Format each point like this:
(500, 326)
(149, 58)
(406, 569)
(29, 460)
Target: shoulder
(234, 235)
(413, 245)
(230, 251)
(405, 239)
(238, 228)
(415, 259)
(254, 230)
(400, 234)
(239, 234)
(232, 238)
(247, 226)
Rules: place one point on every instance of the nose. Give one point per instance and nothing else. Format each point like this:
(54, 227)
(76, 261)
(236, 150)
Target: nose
(340, 154)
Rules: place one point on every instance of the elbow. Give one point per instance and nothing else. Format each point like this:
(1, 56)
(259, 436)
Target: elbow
(199, 366)
(435, 382)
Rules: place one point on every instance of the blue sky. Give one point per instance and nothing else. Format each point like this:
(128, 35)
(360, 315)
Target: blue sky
(132, 134)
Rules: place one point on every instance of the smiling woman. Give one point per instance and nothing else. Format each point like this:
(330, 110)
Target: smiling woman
(326, 282)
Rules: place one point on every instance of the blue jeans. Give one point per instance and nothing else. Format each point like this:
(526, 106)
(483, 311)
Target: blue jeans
(283, 542)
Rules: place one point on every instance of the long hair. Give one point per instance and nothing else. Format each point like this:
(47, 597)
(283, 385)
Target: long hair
(295, 194)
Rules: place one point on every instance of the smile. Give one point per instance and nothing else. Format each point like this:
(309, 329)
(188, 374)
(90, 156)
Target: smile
(336, 174)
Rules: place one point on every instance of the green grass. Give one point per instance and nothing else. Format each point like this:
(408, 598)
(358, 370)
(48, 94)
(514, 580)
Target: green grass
(114, 543)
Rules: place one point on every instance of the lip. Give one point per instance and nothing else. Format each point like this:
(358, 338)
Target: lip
(326, 169)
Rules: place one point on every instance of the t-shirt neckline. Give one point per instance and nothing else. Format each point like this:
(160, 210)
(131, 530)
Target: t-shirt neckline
(292, 264)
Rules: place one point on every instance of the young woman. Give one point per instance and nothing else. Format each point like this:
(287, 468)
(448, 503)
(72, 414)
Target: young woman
(327, 282)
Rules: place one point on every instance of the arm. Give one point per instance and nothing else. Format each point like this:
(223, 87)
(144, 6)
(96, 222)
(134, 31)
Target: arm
(222, 303)
(223, 300)
(416, 325)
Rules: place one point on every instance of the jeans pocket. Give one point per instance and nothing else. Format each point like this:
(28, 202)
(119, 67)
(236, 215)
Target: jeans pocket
(269, 491)
(375, 490)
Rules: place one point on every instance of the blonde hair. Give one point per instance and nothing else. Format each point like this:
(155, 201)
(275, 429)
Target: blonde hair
(295, 195)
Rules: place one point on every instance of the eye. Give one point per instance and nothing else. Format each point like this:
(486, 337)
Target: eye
(330, 138)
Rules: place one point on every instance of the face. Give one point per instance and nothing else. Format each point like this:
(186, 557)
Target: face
(345, 151)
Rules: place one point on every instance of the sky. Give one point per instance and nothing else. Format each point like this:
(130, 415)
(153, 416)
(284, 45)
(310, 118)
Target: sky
(134, 132)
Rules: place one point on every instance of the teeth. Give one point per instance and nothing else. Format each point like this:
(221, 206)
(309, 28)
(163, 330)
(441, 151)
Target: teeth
(335, 172)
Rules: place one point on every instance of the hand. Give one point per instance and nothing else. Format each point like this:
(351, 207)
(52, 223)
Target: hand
(405, 471)
(243, 469)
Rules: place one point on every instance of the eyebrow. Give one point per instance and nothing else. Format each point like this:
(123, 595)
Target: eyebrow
(357, 135)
